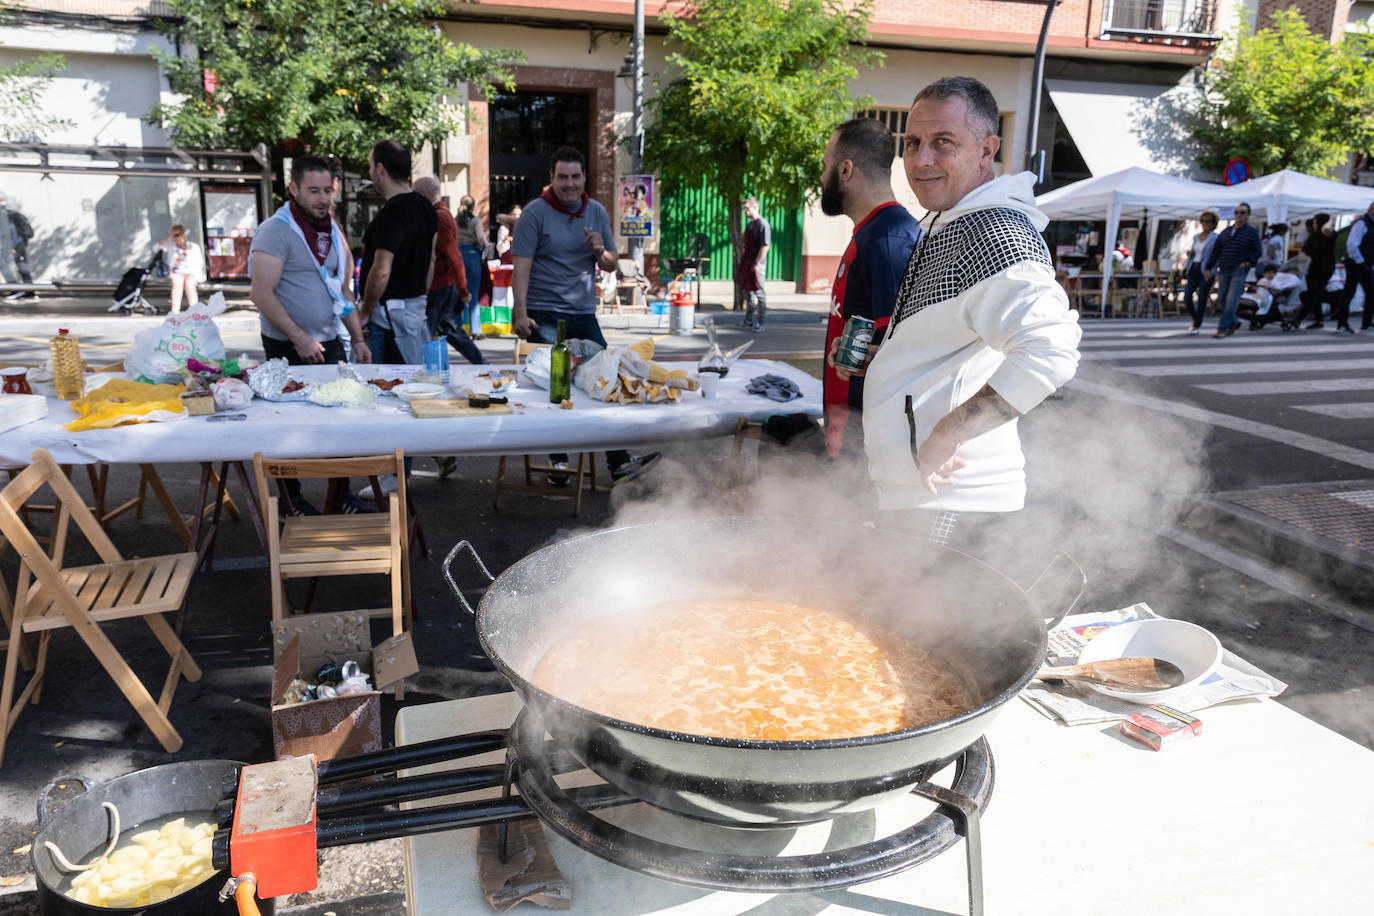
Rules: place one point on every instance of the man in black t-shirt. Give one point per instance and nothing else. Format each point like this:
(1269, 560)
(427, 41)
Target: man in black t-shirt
(398, 260)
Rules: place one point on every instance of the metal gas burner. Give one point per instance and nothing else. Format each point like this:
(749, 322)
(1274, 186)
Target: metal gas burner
(530, 769)
(276, 815)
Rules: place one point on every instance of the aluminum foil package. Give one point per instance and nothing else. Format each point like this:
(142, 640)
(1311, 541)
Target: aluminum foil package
(268, 380)
(348, 372)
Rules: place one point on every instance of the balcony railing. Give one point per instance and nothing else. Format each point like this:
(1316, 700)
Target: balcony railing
(110, 9)
(1193, 20)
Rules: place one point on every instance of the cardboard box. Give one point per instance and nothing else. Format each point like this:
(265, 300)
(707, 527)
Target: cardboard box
(338, 726)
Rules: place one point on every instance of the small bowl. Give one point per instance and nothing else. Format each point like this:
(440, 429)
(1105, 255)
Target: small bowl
(1192, 648)
(417, 391)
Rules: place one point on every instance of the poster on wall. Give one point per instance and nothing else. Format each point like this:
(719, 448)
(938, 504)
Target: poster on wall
(636, 206)
(231, 216)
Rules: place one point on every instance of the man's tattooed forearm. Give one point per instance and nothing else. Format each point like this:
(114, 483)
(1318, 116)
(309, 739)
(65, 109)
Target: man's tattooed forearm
(984, 411)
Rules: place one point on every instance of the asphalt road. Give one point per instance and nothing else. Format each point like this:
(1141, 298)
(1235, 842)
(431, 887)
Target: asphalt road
(1152, 422)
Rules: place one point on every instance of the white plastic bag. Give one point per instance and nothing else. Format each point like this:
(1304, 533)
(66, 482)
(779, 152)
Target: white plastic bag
(600, 375)
(231, 394)
(160, 353)
(538, 366)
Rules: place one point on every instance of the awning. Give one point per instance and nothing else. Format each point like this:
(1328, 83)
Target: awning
(1118, 126)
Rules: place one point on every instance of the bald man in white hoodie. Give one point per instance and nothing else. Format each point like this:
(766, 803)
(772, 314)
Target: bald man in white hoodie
(981, 332)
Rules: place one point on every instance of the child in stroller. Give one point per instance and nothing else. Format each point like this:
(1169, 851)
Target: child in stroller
(128, 296)
(1276, 297)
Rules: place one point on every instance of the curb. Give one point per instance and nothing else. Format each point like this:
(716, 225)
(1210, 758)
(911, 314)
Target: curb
(1345, 568)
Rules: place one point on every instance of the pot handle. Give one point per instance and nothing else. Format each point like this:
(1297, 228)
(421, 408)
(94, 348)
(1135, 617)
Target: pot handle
(1062, 578)
(46, 808)
(448, 574)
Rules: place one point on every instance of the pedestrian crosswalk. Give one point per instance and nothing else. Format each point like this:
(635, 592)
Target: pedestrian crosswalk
(1309, 389)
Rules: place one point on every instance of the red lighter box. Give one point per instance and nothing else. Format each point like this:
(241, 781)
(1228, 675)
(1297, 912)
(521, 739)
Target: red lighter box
(1160, 726)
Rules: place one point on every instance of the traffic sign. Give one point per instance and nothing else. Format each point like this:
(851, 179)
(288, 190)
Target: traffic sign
(1237, 170)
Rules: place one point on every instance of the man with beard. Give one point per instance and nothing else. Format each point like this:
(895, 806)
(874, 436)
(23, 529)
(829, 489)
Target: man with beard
(980, 333)
(857, 181)
(398, 260)
(301, 269)
(560, 241)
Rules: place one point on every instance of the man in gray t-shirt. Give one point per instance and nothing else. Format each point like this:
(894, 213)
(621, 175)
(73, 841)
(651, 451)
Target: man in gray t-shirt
(301, 270)
(560, 240)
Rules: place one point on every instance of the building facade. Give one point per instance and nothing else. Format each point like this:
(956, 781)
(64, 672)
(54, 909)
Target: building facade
(1116, 74)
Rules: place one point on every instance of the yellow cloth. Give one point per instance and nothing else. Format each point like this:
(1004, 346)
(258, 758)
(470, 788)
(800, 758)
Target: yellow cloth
(122, 401)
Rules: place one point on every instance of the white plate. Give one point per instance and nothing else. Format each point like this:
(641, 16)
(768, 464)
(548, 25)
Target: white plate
(417, 391)
(1192, 648)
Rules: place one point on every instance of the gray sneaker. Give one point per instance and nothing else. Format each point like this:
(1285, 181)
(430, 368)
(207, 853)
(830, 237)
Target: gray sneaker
(632, 467)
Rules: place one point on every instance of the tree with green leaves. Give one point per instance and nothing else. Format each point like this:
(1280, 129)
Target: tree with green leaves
(325, 78)
(758, 87)
(1284, 97)
(22, 85)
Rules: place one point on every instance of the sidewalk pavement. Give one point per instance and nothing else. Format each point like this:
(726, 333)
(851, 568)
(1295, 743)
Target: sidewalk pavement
(1325, 530)
(783, 308)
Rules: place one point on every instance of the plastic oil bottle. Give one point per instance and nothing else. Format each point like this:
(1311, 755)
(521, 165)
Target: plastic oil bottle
(67, 368)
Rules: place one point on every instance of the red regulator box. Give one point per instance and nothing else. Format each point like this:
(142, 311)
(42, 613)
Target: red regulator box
(1160, 726)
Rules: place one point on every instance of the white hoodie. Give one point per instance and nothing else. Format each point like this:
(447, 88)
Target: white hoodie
(979, 306)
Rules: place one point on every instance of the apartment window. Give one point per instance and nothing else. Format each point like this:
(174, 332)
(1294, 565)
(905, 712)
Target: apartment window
(895, 119)
(1160, 19)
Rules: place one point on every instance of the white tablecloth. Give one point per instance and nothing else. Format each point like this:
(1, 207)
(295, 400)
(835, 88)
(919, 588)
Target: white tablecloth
(304, 430)
(1265, 812)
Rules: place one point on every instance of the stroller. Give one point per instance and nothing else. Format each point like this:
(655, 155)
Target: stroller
(129, 294)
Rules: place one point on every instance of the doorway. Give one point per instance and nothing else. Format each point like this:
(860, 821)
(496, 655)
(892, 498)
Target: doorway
(526, 126)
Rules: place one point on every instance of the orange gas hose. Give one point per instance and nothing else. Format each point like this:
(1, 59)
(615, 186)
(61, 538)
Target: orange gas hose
(243, 896)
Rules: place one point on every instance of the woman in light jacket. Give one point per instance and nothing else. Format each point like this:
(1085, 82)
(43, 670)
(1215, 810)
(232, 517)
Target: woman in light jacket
(185, 266)
(1197, 287)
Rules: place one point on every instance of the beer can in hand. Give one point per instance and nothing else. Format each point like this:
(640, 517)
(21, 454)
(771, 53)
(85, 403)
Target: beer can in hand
(854, 342)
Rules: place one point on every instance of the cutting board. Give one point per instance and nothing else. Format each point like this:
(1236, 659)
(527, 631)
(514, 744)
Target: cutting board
(439, 408)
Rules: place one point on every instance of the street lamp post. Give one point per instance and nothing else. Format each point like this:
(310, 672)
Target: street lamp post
(637, 122)
(1037, 78)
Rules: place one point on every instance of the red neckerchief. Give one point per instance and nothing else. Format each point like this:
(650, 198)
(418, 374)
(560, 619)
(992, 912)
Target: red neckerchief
(552, 201)
(318, 236)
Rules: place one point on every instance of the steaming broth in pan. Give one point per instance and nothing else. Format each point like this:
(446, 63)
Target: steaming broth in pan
(750, 669)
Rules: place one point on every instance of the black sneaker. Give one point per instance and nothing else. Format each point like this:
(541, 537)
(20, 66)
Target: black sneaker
(300, 506)
(558, 477)
(447, 465)
(351, 505)
(632, 467)
(1345, 329)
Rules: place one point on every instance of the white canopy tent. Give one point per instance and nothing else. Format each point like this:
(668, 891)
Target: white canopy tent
(1288, 193)
(1133, 193)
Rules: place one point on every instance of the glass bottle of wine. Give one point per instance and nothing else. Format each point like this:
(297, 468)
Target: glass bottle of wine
(560, 368)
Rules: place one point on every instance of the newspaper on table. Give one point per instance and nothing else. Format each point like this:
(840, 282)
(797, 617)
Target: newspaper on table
(1077, 704)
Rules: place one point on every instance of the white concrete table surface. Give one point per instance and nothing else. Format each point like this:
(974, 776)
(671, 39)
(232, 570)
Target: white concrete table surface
(1265, 812)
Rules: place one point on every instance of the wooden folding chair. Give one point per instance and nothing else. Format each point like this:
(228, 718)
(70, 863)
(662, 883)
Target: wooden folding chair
(583, 475)
(50, 596)
(310, 546)
(632, 286)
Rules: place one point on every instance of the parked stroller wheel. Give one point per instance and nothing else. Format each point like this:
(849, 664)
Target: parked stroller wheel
(147, 307)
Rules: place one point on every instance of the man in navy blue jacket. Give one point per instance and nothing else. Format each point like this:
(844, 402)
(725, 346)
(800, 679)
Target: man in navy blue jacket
(1236, 251)
(856, 181)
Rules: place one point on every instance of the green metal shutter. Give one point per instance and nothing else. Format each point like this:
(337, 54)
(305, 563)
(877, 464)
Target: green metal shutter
(689, 212)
